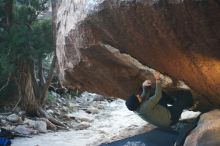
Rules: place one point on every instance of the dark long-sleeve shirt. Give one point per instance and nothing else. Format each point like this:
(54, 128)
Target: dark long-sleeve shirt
(154, 113)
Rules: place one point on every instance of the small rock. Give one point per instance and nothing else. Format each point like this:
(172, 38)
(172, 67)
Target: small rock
(58, 113)
(8, 127)
(101, 106)
(82, 126)
(50, 111)
(63, 99)
(13, 118)
(21, 113)
(81, 116)
(23, 129)
(67, 116)
(92, 110)
(99, 98)
(41, 126)
(73, 105)
(57, 104)
(29, 122)
(3, 121)
(64, 108)
(59, 100)
(50, 125)
(64, 103)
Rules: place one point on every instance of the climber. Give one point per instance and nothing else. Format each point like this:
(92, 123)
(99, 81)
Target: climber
(154, 108)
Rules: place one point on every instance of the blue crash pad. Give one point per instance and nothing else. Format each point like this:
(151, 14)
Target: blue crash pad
(155, 137)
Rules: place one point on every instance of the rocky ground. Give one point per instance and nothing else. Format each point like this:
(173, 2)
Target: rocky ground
(89, 119)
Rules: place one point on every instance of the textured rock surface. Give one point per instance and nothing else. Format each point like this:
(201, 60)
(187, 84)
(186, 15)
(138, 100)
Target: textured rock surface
(100, 41)
(207, 132)
(13, 118)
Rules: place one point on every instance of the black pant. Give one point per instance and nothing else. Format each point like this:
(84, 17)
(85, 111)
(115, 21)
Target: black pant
(181, 100)
(166, 99)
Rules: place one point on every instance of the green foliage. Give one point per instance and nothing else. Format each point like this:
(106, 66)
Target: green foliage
(5, 66)
(9, 92)
(25, 36)
(51, 97)
(42, 38)
(73, 94)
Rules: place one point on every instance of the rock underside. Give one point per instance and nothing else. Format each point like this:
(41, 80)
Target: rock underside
(107, 46)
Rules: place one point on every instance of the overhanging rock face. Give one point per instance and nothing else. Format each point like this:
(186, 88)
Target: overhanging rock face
(102, 45)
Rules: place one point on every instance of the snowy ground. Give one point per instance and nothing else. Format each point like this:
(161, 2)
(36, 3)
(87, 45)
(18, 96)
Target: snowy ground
(113, 122)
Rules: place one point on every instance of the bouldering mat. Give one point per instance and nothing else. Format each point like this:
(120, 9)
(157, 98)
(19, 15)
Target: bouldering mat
(155, 137)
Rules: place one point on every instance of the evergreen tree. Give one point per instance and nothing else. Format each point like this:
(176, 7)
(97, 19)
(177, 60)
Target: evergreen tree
(25, 40)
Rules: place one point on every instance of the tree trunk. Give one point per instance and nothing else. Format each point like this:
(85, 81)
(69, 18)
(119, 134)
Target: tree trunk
(26, 87)
(33, 94)
(44, 88)
(40, 71)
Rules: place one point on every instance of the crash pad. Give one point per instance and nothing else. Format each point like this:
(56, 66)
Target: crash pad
(155, 137)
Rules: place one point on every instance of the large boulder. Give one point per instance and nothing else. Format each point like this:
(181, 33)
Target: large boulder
(207, 132)
(104, 46)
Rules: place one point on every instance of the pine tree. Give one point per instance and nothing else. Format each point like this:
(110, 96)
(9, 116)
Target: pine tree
(25, 40)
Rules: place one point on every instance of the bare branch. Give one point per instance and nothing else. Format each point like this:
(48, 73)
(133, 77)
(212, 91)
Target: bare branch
(4, 86)
(34, 80)
(50, 77)
(16, 105)
(40, 72)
